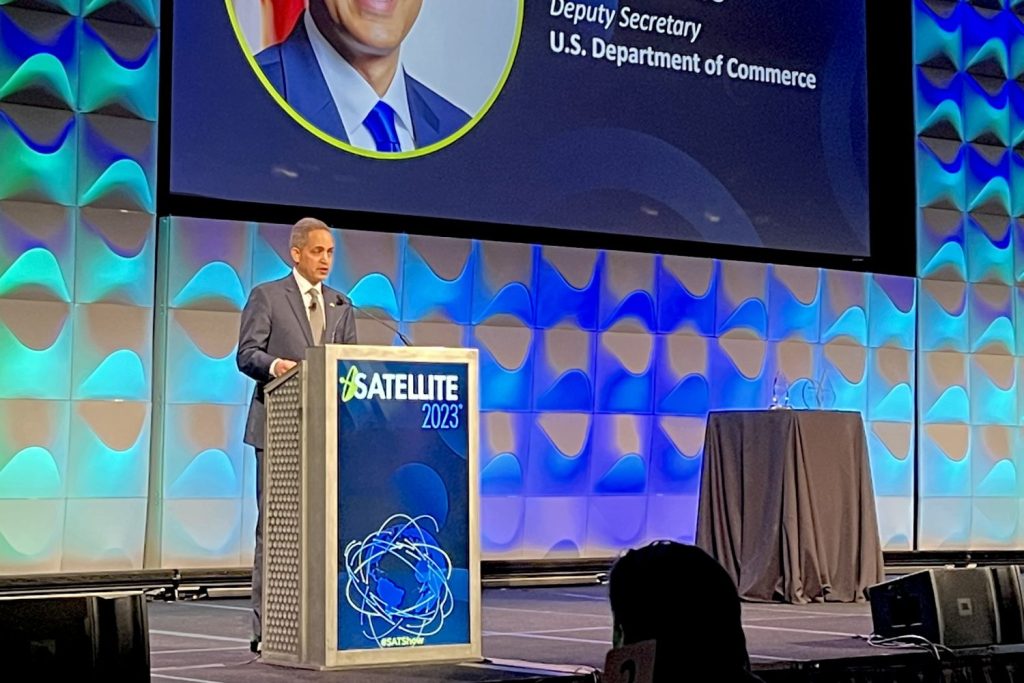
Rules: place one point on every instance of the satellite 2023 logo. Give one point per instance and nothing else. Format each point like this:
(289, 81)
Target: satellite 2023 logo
(404, 386)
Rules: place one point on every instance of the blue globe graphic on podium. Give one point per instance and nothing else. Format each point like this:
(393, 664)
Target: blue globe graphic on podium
(398, 580)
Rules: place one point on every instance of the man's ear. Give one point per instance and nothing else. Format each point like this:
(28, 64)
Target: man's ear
(296, 254)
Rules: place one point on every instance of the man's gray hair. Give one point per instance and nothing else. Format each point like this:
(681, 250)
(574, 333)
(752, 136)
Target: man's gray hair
(301, 230)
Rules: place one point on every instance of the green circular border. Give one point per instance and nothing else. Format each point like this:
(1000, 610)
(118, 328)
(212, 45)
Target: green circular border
(429, 149)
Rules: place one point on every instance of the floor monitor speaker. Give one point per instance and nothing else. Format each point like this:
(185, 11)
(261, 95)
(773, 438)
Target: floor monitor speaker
(951, 607)
(92, 637)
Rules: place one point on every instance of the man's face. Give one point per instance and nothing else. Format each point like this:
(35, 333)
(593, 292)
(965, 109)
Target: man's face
(378, 26)
(314, 259)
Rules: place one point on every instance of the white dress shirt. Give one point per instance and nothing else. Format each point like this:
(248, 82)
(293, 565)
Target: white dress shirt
(305, 288)
(355, 98)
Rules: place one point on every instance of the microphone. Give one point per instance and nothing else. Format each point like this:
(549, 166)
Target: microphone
(342, 299)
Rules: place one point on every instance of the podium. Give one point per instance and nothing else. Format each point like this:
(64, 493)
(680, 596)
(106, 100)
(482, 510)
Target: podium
(370, 508)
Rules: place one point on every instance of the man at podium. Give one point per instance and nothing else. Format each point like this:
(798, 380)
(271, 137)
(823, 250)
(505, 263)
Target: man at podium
(280, 321)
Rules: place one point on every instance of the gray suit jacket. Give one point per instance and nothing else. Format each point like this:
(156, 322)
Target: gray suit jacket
(275, 325)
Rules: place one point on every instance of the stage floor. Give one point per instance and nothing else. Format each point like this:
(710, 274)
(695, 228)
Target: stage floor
(528, 633)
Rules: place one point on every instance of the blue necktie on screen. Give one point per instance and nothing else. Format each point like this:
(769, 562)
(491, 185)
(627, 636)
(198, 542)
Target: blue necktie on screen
(381, 124)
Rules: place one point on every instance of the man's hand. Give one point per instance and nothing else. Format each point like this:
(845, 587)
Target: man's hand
(282, 366)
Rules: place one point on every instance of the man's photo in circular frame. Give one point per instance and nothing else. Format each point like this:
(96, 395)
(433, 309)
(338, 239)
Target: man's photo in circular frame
(389, 79)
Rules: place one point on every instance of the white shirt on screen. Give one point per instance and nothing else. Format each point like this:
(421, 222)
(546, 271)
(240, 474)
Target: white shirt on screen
(354, 97)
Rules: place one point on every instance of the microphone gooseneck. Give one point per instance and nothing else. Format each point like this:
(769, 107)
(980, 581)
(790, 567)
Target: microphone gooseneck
(342, 299)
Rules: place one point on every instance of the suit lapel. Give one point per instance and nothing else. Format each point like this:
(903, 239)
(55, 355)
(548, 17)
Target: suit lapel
(306, 86)
(294, 297)
(331, 314)
(425, 124)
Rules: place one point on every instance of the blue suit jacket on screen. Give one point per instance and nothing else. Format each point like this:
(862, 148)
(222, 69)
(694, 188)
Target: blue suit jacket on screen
(292, 69)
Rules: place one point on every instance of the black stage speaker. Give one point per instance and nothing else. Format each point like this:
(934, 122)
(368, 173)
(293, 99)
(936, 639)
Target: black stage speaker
(952, 607)
(1009, 603)
(93, 637)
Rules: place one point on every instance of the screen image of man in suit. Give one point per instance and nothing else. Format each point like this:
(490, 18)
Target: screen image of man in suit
(341, 69)
(280, 321)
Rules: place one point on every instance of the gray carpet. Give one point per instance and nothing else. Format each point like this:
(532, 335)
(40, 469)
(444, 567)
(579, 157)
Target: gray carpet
(528, 633)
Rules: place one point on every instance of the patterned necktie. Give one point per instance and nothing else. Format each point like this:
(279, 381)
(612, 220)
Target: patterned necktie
(381, 124)
(316, 317)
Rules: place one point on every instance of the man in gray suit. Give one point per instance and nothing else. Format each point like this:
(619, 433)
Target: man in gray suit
(280, 321)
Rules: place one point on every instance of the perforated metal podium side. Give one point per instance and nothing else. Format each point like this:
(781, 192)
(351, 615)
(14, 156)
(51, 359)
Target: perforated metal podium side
(294, 543)
(283, 517)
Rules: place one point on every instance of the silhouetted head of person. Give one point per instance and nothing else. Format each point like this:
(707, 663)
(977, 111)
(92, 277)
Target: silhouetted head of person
(682, 598)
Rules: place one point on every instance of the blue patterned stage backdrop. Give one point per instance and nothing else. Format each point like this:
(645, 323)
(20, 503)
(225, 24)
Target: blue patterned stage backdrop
(403, 504)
